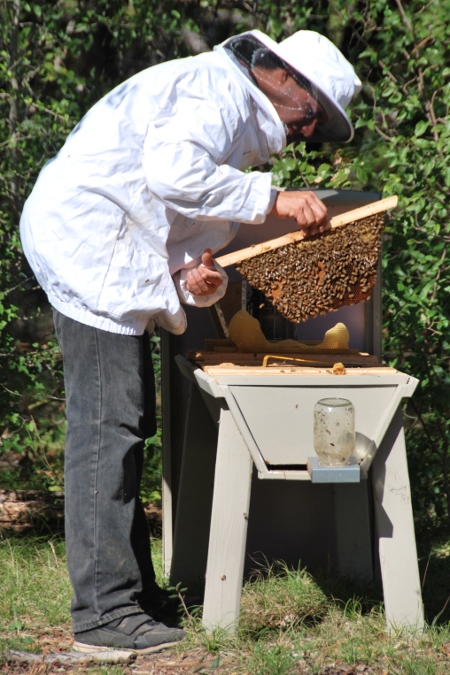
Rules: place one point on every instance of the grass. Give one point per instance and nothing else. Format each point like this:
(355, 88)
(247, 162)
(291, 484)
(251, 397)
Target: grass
(34, 591)
(291, 622)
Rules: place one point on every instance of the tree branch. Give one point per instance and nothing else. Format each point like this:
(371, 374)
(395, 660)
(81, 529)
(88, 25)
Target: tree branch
(406, 20)
(382, 134)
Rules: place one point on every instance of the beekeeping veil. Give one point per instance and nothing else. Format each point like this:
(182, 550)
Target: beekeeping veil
(317, 66)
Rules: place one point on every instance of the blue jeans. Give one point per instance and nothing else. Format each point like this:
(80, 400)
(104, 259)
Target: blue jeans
(110, 400)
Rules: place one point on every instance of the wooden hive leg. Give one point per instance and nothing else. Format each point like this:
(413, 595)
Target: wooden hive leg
(227, 543)
(395, 530)
(193, 512)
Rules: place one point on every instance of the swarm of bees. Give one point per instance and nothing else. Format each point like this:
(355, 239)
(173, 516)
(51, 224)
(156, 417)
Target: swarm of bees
(320, 273)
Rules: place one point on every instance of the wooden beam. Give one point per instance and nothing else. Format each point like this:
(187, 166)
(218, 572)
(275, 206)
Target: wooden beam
(291, 238)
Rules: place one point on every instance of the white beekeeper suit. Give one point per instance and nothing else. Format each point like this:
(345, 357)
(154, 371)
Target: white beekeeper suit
(115, 230)
(151, 176)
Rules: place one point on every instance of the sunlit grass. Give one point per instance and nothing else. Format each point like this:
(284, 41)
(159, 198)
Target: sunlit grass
(279, 599)
(35, 591)
(291, 621)
(34, 585)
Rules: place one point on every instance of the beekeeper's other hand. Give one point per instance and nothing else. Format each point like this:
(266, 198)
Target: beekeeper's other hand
(204, 279)
(309, 212)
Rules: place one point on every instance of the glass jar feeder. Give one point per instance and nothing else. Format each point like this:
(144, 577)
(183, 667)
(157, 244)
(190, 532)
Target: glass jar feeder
(334, 431)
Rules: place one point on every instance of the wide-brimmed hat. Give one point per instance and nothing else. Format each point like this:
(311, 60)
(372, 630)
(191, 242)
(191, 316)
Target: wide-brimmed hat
(331, 75)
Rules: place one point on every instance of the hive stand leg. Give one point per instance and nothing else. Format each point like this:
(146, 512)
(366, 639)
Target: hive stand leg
(193, 512)
(353, 530)
(227, 543)
(395, 530)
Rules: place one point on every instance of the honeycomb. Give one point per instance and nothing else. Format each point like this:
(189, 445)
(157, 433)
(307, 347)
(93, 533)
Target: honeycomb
(246, 333)
(319, 274)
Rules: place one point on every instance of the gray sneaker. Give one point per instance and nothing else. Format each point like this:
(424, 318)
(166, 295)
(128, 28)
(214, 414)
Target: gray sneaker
(138, 633)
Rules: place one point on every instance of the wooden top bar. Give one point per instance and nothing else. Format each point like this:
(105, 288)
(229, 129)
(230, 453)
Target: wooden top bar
(239, 367)
(315, 360)
(293, 237)
(288, 370)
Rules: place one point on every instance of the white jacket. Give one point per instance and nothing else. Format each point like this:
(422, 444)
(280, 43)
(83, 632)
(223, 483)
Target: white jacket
(150, 177)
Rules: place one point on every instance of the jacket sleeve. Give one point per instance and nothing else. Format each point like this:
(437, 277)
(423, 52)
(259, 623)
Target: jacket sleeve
(188, 298)
(185, 162)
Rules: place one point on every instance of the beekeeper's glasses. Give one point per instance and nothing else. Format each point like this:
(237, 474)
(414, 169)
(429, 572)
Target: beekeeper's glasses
(312, 110)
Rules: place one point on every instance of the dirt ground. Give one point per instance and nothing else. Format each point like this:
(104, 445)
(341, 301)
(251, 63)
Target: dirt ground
(195, 661)
(56, 658)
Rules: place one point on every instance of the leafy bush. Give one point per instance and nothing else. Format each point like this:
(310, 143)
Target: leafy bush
(402, 147)
(58, 58)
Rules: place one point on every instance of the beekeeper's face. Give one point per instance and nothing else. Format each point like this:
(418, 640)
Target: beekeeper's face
(297, 108)
(299, 111)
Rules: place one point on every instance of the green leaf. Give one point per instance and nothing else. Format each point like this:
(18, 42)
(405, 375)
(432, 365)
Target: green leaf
(27, 641)
(446, 173)
(215, 663)
(421, 128)
(15, 625)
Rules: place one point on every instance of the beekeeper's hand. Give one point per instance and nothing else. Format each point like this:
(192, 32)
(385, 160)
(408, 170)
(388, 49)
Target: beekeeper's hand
(204, 279)
(309, 212)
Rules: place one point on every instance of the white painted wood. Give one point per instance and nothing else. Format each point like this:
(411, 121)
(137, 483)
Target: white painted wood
(245, 431)
(402, 391)
(395, 530)
(167, 529)
(261, 417)
(353, 530)
(193, 514)
(284, 475)
(167, 510)
(280, 419)
(297, 377)
(226, 554)
(207, 383)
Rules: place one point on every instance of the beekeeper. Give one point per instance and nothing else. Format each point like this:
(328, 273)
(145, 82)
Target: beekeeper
(120, 230)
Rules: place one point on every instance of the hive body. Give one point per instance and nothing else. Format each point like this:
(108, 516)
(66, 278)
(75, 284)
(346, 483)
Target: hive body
(319, 274)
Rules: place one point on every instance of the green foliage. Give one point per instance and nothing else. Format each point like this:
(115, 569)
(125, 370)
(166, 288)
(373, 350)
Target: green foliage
(402, 146)
(407, 96)
(272, 660)
(57, 58)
